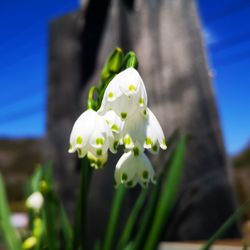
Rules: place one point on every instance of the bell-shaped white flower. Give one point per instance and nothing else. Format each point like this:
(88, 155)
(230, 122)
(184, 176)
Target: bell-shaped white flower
(145, 131)
(125, 94)
(35, 201)
(91, 134)
(132, 168)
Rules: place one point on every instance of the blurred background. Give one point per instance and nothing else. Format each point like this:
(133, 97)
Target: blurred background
(31, 61)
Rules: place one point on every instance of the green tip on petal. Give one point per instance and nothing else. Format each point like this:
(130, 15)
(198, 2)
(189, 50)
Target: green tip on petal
(148, 141)
(145, 174)
(127, 140)
(79, 140)
(99, 141)
(141, 101)
(132, 88)
(110, 95)
(124, 177)
(123, 115)
(136, 151)
(99, 152)
(115, 128)
(129, 183)
(155, 148)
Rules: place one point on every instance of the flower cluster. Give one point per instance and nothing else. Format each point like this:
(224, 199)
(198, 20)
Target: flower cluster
(122, 119)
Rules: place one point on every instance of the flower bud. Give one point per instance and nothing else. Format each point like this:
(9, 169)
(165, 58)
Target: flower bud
(113, 64)
(130, 60)
(37, 227)
(35, 201)
(29, 243)
(44, 187)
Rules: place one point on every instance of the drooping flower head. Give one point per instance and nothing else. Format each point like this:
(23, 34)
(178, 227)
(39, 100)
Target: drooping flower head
(125, 94)
(133, 168)
(91, 135)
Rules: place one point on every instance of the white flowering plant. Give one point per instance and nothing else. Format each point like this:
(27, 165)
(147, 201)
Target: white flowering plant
(117, 119)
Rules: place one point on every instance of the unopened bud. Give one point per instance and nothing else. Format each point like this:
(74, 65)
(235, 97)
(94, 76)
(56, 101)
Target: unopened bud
(29, 243)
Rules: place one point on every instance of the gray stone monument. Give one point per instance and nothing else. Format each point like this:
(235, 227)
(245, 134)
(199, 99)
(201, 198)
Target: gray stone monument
(167, 38)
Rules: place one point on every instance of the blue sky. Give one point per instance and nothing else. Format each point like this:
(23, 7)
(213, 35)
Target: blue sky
(23, 64)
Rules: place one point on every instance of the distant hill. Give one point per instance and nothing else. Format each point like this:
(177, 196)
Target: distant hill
(17, 161)
(242, 159)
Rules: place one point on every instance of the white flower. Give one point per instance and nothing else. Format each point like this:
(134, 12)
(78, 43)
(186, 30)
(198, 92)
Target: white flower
(35, 201)
(133, 168)
(145, 131)
(91, 134)
(125, 94)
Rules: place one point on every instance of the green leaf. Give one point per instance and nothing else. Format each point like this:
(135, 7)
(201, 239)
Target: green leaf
(49, 208)
(132, 219)
(145, 220)
(35, 179)
(167, 197)
(66, 228)
(10, 235)
(114, 217)
(228, 223)
(97, 245)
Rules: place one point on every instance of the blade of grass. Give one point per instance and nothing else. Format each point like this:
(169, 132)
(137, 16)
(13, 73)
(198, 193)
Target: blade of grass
(133, 216)
(167, 195)
(11, 237)
(113, 217)
(228, 223)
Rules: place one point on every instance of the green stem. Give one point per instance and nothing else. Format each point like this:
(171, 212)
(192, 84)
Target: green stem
(92, 104)
(229, 222)
(80, 219)
(114, 216)
(49, 215)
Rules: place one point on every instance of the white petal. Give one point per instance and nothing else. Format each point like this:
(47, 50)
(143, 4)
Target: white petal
(82, 130)
(155, 132)
(129, 81)
(135, 130)
(112, 91)
(145, 170)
